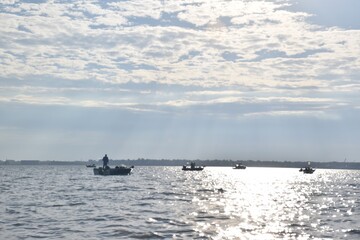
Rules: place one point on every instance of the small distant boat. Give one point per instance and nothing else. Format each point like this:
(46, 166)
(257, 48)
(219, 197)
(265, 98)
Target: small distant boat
(308, 170)
(90, 165)
(239, 166)
(118, 170)
(193, 167)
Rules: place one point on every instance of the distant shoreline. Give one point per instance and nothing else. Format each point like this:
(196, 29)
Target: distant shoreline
(180, 162)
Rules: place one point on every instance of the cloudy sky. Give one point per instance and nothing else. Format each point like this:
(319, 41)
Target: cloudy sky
(199, 79)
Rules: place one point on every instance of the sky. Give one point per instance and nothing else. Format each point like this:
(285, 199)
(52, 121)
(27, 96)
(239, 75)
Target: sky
(273, 80)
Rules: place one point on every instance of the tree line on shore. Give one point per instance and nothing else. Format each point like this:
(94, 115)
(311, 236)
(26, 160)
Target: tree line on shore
(180, 162)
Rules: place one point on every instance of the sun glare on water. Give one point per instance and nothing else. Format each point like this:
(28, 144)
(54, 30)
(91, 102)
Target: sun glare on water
(262, 200)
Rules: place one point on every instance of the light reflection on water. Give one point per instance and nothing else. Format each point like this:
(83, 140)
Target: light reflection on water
(164, 202)
(267, 203)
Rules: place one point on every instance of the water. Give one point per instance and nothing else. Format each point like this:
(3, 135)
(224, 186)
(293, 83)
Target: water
(69, 202)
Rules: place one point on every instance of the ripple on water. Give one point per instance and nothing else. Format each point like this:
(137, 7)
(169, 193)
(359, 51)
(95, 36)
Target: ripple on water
(165, 202)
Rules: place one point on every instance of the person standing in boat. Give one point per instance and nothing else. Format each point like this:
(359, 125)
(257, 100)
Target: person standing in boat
(105, 161)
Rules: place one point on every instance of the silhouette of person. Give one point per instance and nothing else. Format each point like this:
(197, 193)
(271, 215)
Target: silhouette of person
(105, 161)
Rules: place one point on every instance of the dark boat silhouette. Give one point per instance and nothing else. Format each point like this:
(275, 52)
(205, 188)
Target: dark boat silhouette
(90, 165)
(239, 166)
(308, 170)
(118, 170)
(192, 167)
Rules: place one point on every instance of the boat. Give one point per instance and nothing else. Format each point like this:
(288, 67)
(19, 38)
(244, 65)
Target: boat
(308, 170)
(118, 170)
(90, 165)
(239, 166)
(193, 167)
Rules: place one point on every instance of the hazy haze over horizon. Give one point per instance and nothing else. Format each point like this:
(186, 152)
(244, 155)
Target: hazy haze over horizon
(256, 79)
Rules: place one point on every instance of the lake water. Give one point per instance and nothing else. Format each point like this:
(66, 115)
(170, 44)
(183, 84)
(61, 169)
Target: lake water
(69, 202)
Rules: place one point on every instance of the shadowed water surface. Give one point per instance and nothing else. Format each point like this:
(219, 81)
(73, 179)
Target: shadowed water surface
(69, 202)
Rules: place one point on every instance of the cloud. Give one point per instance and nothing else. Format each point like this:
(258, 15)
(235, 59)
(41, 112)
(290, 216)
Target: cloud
(177, 78)
(263, 49)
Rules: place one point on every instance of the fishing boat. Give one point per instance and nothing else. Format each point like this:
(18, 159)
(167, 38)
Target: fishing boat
(192, 167)
(90, 165)
(118, 170)
(308, 170)
(239, 166)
